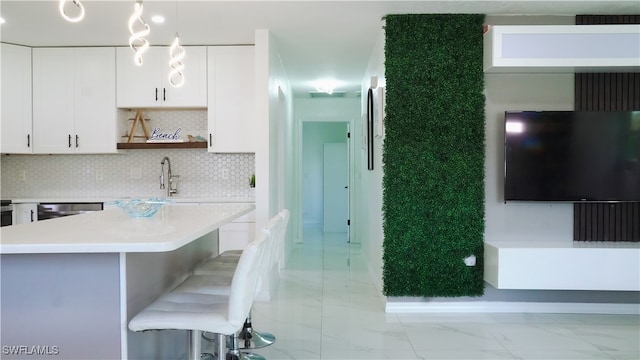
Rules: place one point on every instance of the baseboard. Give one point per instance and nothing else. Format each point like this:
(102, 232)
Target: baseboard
(511, 307)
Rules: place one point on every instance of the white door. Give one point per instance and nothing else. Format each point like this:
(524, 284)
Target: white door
(335, 187)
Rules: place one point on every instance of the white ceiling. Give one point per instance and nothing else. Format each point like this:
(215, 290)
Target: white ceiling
(316, 39)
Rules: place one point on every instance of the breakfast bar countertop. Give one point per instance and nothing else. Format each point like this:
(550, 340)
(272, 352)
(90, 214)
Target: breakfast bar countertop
(112, 231)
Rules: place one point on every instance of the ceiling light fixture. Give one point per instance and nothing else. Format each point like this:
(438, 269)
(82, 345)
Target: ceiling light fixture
(326, 86)
(137, 42)
(62, 7)
(157, 19)
(176, 54)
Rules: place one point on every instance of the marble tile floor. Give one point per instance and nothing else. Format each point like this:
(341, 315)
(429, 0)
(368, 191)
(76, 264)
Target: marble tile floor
(327, 307)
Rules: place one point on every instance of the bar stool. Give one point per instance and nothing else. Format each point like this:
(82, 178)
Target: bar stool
(219, 314)
(213, 278)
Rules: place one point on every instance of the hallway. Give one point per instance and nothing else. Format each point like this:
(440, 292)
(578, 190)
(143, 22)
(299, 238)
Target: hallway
(326, 307)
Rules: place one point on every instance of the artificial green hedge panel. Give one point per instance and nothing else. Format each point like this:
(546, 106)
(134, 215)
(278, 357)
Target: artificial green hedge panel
(433, 155)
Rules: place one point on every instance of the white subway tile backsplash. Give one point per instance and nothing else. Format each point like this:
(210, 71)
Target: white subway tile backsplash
(133, 174)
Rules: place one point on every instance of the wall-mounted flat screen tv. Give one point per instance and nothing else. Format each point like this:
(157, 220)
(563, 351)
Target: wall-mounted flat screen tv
(572, 156)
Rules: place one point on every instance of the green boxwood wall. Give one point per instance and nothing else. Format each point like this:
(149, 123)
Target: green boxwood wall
(433, 154)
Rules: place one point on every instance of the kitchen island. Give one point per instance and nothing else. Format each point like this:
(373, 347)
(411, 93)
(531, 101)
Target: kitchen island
(70, 285)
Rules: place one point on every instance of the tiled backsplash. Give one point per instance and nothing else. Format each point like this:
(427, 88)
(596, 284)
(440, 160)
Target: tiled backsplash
(135, 173)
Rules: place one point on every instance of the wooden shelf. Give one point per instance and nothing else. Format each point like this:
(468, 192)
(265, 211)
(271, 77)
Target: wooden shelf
(176, 145)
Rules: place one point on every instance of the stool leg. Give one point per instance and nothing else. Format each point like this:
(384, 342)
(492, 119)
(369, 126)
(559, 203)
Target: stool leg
(234, 352)
(195, 344)
(252, 339)
(221, 346)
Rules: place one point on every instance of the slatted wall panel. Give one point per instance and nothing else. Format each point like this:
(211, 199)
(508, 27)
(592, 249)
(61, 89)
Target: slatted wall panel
(607, 92)
(607, 221)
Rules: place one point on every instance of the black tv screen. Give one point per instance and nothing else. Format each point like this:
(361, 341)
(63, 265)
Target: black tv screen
(572, 156)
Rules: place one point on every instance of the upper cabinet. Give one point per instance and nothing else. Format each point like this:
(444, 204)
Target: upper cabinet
(16, 128)
(74, 100)
(147, 86)
(231, 115)
(562, 48)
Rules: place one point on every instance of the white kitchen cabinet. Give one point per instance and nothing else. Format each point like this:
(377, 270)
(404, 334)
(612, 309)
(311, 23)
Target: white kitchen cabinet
(562, 48)
(238, 234)
(74, 108)
(25, 213)
(16, 125)
(148, 86)
(231, 115)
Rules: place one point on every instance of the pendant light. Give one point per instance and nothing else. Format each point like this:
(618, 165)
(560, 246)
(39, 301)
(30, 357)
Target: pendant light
(62, 7)
(176, 54)
(137, 42)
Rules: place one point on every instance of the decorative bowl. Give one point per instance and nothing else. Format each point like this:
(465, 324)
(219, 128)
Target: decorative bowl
(139, 208)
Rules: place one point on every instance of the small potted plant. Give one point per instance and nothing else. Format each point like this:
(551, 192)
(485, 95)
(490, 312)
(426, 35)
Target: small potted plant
(252, 181)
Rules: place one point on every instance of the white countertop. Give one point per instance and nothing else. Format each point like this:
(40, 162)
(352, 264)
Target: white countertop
(178, 199)
(112, 230)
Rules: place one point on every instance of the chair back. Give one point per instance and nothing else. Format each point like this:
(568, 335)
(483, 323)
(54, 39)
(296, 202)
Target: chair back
(245, 280)
(277, 228)
(279, 256)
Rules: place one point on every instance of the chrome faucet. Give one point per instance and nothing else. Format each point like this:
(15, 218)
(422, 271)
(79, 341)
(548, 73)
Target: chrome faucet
(172, 189)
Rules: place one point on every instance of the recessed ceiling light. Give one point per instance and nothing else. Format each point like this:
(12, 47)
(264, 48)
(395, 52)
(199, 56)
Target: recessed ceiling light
(326, 85)
(157, 19)
(1, 20)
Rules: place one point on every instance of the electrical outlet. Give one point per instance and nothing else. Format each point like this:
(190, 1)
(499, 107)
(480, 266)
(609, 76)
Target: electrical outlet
(135, 173)
(22, 175)
(99, 174)
(224, 174)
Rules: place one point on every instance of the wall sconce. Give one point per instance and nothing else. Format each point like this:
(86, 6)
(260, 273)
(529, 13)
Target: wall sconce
(63, 11)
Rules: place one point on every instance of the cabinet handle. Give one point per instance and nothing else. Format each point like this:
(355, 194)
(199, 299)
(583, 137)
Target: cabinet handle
(31, 215)
(164, 94)
(28, 140)
(77, 141)
(156, 94)
(210, 140)
(69, 140)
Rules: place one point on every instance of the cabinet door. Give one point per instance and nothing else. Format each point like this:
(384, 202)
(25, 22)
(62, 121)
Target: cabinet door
(238, 234)
(95, 100)
(193, 94)
(148, 86)
(16, 129)
(139, 86)
(231, 115)
(74, 100)
(25, 213)
(53, 101)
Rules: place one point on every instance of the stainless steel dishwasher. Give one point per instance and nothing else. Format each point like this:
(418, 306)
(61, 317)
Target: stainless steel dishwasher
(56, 210)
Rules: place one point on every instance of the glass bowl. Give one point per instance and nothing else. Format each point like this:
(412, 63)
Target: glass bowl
(139, 208)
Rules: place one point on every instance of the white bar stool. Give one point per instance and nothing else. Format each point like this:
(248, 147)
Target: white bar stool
(213, 278)
(220, 314)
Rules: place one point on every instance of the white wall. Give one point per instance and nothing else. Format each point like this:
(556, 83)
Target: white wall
(274, 109)
(368, 203)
